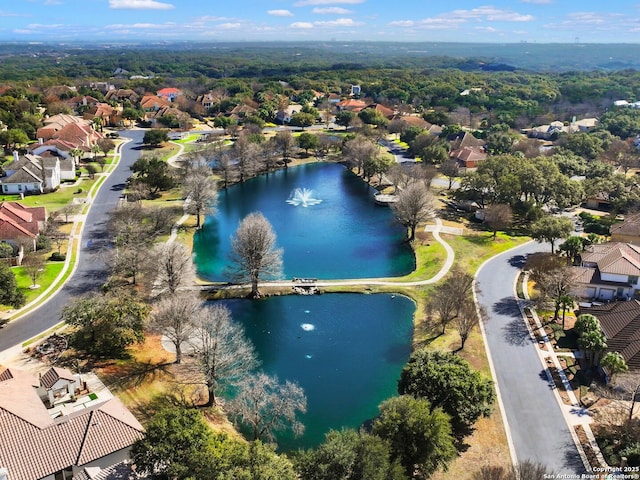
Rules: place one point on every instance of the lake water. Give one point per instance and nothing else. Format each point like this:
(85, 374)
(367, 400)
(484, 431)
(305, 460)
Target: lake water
(346, 235)
(345, 350)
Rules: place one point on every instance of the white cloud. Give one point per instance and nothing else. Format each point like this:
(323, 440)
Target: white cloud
(140, 5)
(302, 25)
(491, 14)
(140, 26)
(332, 11)
(229, 26)
(304, 3)
(340, 22)
(280, 13)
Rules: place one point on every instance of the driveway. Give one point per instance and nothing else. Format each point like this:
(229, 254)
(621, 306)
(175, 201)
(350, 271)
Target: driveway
(90, 273)
(538, 427)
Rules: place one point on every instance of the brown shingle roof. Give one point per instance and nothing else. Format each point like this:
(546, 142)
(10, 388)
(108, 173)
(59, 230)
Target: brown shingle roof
(614, 258)
(630, 226)
(620, 322)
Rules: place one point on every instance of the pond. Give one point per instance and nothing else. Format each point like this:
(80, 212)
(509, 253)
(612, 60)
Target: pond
(345, 350)
(325, 219)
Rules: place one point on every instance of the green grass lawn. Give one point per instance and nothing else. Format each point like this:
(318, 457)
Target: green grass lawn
(55, 200)
(46, 278)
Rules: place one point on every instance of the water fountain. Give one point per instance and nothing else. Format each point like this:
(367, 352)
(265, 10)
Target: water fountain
(304, 197)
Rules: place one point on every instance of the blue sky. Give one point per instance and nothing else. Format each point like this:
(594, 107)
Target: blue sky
(564, 21)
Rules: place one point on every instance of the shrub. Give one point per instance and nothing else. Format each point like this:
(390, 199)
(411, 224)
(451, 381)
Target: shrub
(58, 257)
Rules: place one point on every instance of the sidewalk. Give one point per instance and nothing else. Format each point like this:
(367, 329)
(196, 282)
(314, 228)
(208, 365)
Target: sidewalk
(574, 413)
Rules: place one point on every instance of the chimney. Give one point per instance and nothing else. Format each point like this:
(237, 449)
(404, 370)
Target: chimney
(16, 157)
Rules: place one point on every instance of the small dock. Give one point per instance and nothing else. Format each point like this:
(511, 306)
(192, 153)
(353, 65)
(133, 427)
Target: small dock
(382, 199)
(305, 286)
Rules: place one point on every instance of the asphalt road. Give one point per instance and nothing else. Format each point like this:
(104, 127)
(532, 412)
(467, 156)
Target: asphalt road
(91, 272)
(538, 428)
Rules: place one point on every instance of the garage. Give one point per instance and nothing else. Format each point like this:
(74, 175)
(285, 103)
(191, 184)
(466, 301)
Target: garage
(607, 293)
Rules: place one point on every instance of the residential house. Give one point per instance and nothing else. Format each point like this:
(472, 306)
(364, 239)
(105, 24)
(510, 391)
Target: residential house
(461, 140)
(246, 109)
(284, 115)
(386, 112)
(110, 116)
(31, 174)
(352, 105)
(599, 201)
(627, 231)
(620, 323)
(608, 271)
(152, 103)
(81, 101)
(122, 94)
(20, 224)
(61, 426)
(334, 98)
(468, 158)
(169, 93)
(73, 130)
(155, 116)
(61, 150)
(355, 90)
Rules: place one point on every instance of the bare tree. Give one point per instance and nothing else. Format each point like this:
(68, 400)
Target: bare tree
(267, 406)
(224, 355)
(226, 168)
(200, 190)
(245, 154)
(253, 252)
(33, 266)
(450, 169)
(448, 298)
(269, 154)
(173, 318)
(285, 144)
(424, 173)
(498, 216)
(133, 235)
(173, 267)
(414, 205)
(67, 210)
(358, 150)
(398, 176)
(466, 320)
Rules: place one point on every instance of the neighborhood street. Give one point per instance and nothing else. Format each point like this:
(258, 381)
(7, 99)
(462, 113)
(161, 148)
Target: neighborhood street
(538, 428)
(90, 272)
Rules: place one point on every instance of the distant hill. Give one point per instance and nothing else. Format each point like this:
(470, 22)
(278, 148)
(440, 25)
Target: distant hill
(252, 59)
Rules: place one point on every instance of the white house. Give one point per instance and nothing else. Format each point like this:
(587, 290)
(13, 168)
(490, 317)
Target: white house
(609, 271)
(31, 174)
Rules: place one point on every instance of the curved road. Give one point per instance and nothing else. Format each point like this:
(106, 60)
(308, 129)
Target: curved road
(90, 273)
(539, 431)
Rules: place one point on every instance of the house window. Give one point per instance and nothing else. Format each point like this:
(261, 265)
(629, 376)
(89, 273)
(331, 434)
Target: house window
(19, 187)
(633, 279)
